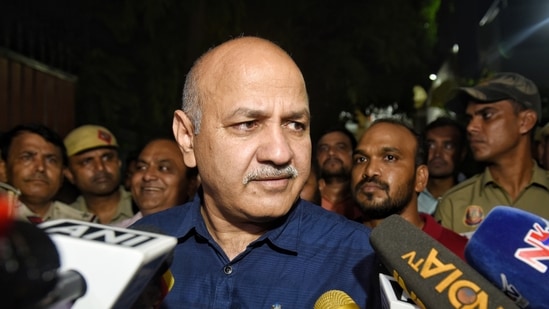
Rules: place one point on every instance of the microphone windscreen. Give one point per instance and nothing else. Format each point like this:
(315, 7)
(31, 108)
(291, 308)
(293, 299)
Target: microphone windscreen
(29, 262)
(335, 299)
(432, 275)
(5, 217)
(8, 200)
(511, 249)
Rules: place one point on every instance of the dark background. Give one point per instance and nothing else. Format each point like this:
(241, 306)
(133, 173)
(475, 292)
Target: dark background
(130, 58)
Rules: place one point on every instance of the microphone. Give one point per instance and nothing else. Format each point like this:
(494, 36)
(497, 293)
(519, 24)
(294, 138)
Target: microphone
(162, 281)
(29, 265)
(116, 263)
(392, 294)
(335, 299)
(432, 275)
(511, 249)
(8, 199)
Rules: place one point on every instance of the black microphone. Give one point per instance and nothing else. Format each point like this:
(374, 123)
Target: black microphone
(432, 275)
(29, 270)
(70, 286)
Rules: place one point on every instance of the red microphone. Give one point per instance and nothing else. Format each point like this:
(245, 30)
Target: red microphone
(8, 199)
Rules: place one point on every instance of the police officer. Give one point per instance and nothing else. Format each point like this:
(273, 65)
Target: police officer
(502, 113)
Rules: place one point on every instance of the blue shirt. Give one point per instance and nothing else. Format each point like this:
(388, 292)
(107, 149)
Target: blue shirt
(427, 203)
(309, 252)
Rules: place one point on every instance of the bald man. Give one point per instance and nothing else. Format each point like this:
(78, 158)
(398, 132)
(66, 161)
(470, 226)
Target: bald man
(160, 180)
(247, 240)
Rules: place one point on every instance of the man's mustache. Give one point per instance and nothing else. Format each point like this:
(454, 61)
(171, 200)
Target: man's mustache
(39, 176)
(268, 172)
(333, 159)
(100, 175)
(374, 180)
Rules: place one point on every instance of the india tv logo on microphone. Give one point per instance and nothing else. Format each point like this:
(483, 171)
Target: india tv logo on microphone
(461, 292)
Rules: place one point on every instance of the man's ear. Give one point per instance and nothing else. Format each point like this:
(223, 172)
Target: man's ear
(183, 130)
(422, 176)
(528, 120)
(68, 175)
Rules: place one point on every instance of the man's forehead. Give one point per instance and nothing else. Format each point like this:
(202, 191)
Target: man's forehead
(29, 139)
(473, 106)
(246, 105)
(95, 152)
(163, 158)
(443, 132)
(251, 77)
(161, 154)
(335, 137)
(163, 145)
(388, 126)
(386, 134)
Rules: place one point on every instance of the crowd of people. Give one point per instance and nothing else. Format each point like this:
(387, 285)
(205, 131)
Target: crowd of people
(36, 161)
(264, 217)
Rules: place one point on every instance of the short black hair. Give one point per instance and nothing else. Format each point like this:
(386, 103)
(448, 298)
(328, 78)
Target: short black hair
(448, 122)
(343, 130)
(421, 156)
(45, 132)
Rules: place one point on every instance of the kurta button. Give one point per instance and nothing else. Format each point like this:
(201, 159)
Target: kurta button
(228, 270)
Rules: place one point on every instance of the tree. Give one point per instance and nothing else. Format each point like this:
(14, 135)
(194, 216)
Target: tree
(131, 57)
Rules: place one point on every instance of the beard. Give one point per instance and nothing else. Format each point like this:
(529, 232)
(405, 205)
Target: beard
(394, 204)
(329, 172)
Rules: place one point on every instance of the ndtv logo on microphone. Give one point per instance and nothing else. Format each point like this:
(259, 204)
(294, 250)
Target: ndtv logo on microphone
(461, 292)
(104, 234)
(538, 239)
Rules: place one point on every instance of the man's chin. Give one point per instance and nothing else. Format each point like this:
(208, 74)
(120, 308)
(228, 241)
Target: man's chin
(271, 209)
(440, 175)
(105, 192)
(268, 220)
(334, 174)
(375, 209)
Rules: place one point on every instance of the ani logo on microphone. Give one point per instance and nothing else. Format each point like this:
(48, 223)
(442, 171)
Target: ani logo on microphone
(99, 233)
(538, 239)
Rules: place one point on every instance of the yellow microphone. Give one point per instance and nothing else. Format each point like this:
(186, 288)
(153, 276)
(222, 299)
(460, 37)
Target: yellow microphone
(335, 299)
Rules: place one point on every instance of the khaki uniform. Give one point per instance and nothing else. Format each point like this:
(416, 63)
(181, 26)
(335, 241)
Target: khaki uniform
(125, 210)
(464, 206)
(58, 210)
